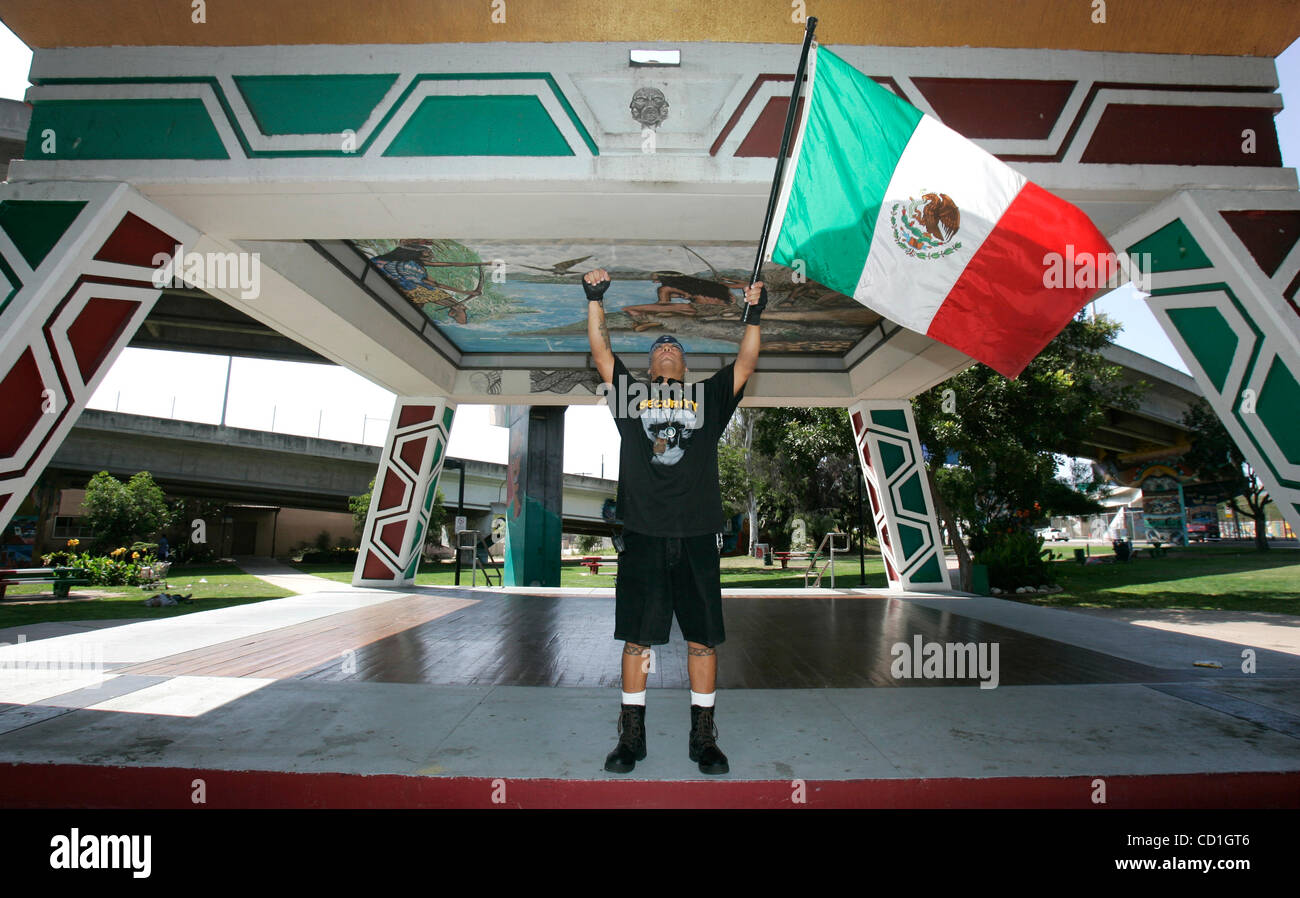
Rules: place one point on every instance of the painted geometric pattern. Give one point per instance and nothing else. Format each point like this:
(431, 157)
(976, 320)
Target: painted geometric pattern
(1222, 266)
(77, 261)
(885, 434)
(404, 492)
(1077, 118)
(246, 117)
(1048, 120)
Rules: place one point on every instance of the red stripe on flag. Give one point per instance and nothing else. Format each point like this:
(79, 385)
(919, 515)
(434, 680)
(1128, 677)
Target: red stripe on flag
(1002, 311)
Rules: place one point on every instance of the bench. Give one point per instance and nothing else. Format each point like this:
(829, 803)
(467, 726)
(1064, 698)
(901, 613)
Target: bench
(593, 562)
(786, 557)
(63, 578)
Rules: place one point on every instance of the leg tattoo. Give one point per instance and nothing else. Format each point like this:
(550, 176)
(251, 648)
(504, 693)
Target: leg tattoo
(630, 648)
(700, 650)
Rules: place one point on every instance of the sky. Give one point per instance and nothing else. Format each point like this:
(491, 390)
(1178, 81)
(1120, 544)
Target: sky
(334, 403)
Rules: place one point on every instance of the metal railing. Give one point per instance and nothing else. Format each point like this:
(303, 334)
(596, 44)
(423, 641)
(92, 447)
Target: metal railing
(473, 548)
(826, 553)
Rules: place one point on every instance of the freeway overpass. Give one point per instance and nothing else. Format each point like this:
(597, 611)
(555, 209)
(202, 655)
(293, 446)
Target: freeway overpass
(263, 468)
(188, 320)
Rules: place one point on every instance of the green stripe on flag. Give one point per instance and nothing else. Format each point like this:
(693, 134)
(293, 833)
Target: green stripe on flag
(854, 134)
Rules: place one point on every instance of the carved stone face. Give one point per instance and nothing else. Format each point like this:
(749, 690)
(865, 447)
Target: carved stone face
(649, 106)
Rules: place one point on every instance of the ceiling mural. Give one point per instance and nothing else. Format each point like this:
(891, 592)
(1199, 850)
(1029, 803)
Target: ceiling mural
(527, 297)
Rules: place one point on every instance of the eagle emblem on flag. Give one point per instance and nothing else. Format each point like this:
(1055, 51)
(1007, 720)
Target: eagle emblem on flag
(925, 228)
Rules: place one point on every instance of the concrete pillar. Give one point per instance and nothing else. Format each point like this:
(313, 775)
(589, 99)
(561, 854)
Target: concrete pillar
(535, 495)
(1222, 268)
(76, 281)
(393, 540)
(901, 504)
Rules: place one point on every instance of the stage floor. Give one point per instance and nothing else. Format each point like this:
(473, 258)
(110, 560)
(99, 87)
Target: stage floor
(366, 697)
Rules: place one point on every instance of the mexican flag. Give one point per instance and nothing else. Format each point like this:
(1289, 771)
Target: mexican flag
(885, 204)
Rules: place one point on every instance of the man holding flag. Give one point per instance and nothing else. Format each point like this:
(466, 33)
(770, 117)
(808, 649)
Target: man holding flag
(670, 502)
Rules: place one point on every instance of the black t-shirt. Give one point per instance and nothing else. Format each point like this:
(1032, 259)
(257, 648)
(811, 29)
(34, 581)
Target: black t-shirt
(668, 461)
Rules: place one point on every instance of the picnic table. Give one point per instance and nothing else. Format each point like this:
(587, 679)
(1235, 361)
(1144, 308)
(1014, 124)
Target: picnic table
(63, 578)
(593, 562)
(786, 557)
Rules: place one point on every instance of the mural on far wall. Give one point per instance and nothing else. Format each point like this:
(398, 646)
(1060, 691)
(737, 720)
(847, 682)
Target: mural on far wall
(527, 297)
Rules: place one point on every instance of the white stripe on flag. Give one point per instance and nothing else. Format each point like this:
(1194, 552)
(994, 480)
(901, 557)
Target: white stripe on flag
(792, 166)
(907, 289)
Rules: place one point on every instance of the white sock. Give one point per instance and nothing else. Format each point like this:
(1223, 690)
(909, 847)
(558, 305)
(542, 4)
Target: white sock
(635, 698)
(703, 699)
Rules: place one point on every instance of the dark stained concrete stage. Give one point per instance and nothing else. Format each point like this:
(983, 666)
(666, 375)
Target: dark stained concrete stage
(772, 643)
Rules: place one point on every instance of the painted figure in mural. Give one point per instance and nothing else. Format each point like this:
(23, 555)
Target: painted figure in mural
(407, 266)
(670, 502)
(703, 299)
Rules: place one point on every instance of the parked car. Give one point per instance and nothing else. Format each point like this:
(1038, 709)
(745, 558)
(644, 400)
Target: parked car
(1054, 534)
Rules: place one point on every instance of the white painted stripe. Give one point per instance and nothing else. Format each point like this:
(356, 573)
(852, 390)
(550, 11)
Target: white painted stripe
(184, 696)
(28, 683)
(907, 289)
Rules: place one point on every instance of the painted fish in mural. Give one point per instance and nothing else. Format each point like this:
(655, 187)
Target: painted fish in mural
(407, 266)
(560, 269)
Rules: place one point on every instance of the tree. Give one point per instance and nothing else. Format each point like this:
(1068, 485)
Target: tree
(815, 459)
(1222, 465)
(744, 475)
(121, 514)
(360, 508)
(779, 463)
(991, 443)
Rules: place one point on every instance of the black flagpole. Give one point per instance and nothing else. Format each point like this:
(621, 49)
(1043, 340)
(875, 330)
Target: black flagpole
(811, 25)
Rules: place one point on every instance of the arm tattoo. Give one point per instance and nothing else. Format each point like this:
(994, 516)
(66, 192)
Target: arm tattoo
(702, 650)
(604, 332)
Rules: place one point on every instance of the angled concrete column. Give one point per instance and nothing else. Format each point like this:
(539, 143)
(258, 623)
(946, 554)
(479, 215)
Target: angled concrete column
(405, 486)
(1223, 271)
(76, 281)
(535, 495)
(901, 505)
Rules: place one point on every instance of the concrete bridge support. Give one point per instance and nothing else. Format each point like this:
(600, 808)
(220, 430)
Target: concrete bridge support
(535, 493)
(405, 486)
(901, 505)
(76, 280)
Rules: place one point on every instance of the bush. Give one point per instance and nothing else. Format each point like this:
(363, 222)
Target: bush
(1014, 560)
(121, 567)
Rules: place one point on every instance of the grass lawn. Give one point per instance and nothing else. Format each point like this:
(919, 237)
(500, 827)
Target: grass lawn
(227, 585)
(1203, 577)
(737, 572)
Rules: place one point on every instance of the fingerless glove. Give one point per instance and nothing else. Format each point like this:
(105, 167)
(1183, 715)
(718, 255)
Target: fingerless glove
(756, 310)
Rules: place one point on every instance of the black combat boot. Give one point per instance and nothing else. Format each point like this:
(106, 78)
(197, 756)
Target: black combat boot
(631, 740)
(704, 742)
